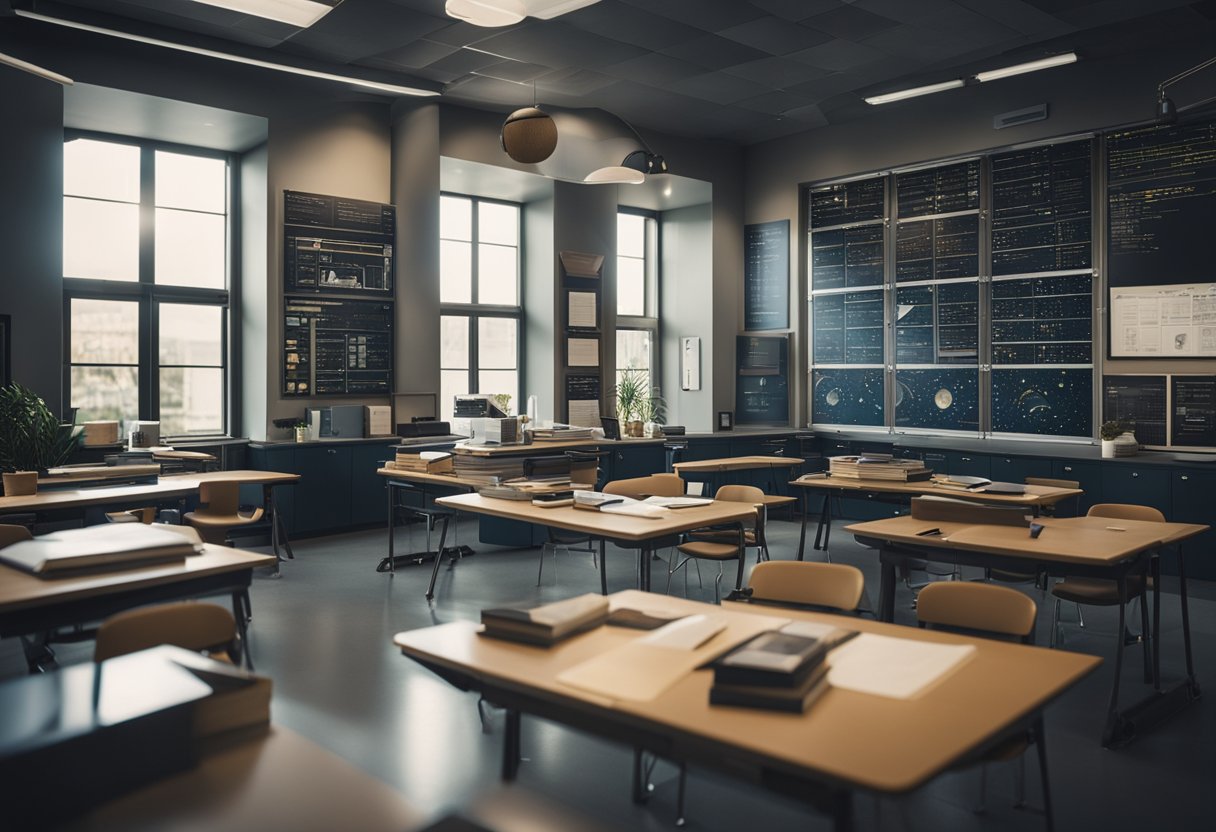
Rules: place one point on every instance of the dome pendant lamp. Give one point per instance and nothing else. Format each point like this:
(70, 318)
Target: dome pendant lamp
(529, 135)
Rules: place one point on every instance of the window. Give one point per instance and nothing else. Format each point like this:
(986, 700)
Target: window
(146, 283)
(479, 293)
(637, 311)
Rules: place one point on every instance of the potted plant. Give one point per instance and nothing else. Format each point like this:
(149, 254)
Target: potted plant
(31, 439)
(654, 414)
(300, 429)
(1111, 433)
(502, 401)
(631, 392)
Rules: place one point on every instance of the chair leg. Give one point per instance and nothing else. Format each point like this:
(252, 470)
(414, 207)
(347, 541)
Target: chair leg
(1057, 637)
(540, 566)
(1040, 741)
(718, 587)
(1080, 616)
(683, 782)
(1146, 637)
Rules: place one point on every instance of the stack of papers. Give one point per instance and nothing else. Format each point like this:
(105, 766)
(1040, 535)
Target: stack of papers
(93, 547)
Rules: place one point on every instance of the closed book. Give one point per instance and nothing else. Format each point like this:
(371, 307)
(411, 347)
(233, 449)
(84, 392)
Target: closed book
(546, 624)
(792, 699)
(98, 547)
(776, 658)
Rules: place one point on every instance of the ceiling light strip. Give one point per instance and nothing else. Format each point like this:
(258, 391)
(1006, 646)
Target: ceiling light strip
(298, 13)
(34, 69)
(227, 56)
(1029, 66)
(900, 95)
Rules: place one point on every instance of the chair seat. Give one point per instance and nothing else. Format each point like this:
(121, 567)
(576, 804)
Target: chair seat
(198, 518)
(725, 536)
(1097, 591)
(708, 550)
(1012, 577)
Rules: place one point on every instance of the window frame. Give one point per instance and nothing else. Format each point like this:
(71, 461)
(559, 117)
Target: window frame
(651, 321)
(475, 311)
(149, 295)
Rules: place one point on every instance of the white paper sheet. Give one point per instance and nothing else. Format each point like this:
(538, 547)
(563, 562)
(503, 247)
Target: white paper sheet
(898, 668)
(688, 633)
(584, 414)
(583, 352)
(581, 308)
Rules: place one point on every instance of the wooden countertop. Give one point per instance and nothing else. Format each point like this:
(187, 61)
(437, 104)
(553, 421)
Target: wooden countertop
(1040, 495)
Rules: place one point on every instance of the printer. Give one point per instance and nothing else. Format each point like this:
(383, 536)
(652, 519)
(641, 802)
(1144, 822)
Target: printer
(494, 431)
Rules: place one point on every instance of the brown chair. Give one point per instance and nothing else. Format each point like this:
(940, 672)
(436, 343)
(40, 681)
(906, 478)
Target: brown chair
(1102, 592)
(993, 612)
(13, 534)
(1011, 577)
(135, 515)
(639, 488)
(722, 545)
(204, 628)
(220, 511)
(830, 586)
(753, 536)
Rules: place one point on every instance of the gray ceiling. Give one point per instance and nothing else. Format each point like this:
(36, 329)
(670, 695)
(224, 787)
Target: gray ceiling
(739, 70)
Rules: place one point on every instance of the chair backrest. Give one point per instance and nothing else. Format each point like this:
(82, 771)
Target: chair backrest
(187, 624)
(655, 485)
(1052, 483)
(220, 497)
(13, 534)
(1125, 511)
(835, 586)
(740, 494)
(980, 608)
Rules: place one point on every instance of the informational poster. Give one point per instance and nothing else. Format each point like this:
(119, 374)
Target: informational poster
(1141, 403)
(334, 245)
(766, 276)
(336, 347)
(1193, 416)
(583, 400)
(1176, 321)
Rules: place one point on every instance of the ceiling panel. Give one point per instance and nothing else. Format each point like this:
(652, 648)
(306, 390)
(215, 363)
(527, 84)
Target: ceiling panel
(850, 22)
(632, 25)
(714, 52)
(774, 36)
(555, 44)
(708, 15)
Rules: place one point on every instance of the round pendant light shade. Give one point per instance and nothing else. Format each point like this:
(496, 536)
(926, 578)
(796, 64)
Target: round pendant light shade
(529, 136)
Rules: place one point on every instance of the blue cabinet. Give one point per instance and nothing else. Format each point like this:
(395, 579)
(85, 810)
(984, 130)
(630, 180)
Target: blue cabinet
(1088, 474)
(968, 464)
(1141, 485)
(637, 461)
(1018, 468)
(367, 488)
(323, 494)
(1193, 500)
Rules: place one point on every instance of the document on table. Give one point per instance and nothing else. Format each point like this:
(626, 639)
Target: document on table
(897, 668)
(581, 310)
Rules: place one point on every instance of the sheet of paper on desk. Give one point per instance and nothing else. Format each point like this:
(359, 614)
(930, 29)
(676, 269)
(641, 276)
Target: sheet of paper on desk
(898, 668)
(685, 634)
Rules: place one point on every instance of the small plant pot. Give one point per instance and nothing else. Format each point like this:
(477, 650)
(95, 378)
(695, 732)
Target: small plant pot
(635, 427)
(21, 483)
(301, 434)
(1108, 449)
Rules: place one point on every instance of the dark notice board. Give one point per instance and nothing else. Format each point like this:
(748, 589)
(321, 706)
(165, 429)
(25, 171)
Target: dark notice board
(334, 245)
(762, 395)
(337, 347)
(1194, 418)
(766, 276)
(1139, 400)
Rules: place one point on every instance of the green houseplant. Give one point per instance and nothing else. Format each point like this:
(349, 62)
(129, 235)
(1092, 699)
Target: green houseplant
(653, 413)
(31, 438)
(1110, 433)
(632, 394)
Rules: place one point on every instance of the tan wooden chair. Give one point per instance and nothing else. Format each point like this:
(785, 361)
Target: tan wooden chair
(204, 628)
(10, 534)
(722, 545)
(832, 586)
(220, 511)
(1102, 592)
(994, 612)
(754, 533)
(134, 515)
(655, 485)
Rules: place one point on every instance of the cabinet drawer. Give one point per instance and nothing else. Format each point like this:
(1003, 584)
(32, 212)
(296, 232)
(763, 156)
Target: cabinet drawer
(1088, 474)
(968, 465)
(1136, 485)
(1018, 468)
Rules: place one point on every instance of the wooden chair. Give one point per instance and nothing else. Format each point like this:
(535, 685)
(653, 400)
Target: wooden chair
(134, 515)
(1102, 592)
(829, 586)
(204, 628)
(13, 534)
(1010, 577)
(655, 485)
(220, 511)
(722, 545)
(993, 612)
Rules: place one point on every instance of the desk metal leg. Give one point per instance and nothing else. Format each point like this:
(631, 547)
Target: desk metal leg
(392, 523)
(603, 567)
(825, 522)
(1186, 626)
(842, 811)
(511, 745)
(242, 611)
(439, 553)
(804, 499)
(1156, 570)
(886, 591)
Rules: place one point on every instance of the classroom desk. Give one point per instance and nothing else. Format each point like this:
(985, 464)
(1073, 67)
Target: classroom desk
(639, 530)
(169, 487)
(1097, 547)
(847, 741)
(1035, 498)
(713, 469)
(30, 605)
(278, 781)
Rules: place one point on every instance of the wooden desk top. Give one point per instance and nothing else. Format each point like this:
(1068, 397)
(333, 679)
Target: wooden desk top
(735, 463)
(871, 742)
(456, 481)
(599, 524)
(1088, 540)
(173, 485)
(280, 781)
(1035, 495)
(21, 590)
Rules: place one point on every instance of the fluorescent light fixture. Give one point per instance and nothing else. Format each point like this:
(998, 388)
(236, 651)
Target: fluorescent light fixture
(615, 175)
(549, 9)
(300, 13)
(34, 69)
(887, 98)
(1029, 66)
(378, 86)
(488, 13)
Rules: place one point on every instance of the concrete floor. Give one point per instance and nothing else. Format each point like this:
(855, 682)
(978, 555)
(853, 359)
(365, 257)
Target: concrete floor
(323, 633)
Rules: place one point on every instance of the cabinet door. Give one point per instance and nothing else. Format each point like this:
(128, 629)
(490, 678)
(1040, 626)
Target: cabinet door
(1018, 468)
(282, 459)
(1193, 500)
(1089, 475)
(368, 500)
(638, 461)
(322, 500)
(968, 465)
(1137, 485)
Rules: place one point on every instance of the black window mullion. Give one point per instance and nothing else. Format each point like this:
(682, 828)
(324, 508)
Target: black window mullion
(149, 404)
(473, 368)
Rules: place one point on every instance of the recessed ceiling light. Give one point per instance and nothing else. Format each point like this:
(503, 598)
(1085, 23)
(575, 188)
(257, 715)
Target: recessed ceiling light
(615, 175)
(488, 13)
(887, 98)
(1029, 66)
(300, 13)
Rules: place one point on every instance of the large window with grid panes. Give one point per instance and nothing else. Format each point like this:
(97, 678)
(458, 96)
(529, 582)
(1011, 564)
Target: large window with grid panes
(637, 295)
(147, 248)
(479, 294)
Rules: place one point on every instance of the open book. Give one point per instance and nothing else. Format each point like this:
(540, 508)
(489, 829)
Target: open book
(95, 547)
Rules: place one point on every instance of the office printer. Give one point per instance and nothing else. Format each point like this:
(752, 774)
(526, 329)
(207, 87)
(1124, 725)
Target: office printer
(494, 431)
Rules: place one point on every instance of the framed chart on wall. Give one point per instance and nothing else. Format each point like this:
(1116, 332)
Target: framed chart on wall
(766, 276)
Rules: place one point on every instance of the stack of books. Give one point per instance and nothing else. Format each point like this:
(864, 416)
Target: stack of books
(547, 624)
(426, 462)
(560, 434)
(961, 483)
(781, 670)
(488, 469)
(878, 467)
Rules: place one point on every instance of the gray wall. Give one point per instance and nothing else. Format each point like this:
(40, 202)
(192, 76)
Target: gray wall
(542, 376)
(687, 241)
(31, 181)
(256, 368)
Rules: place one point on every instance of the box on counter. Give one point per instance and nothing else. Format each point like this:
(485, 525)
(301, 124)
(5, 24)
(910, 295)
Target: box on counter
(101, 432)
(377, 420)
